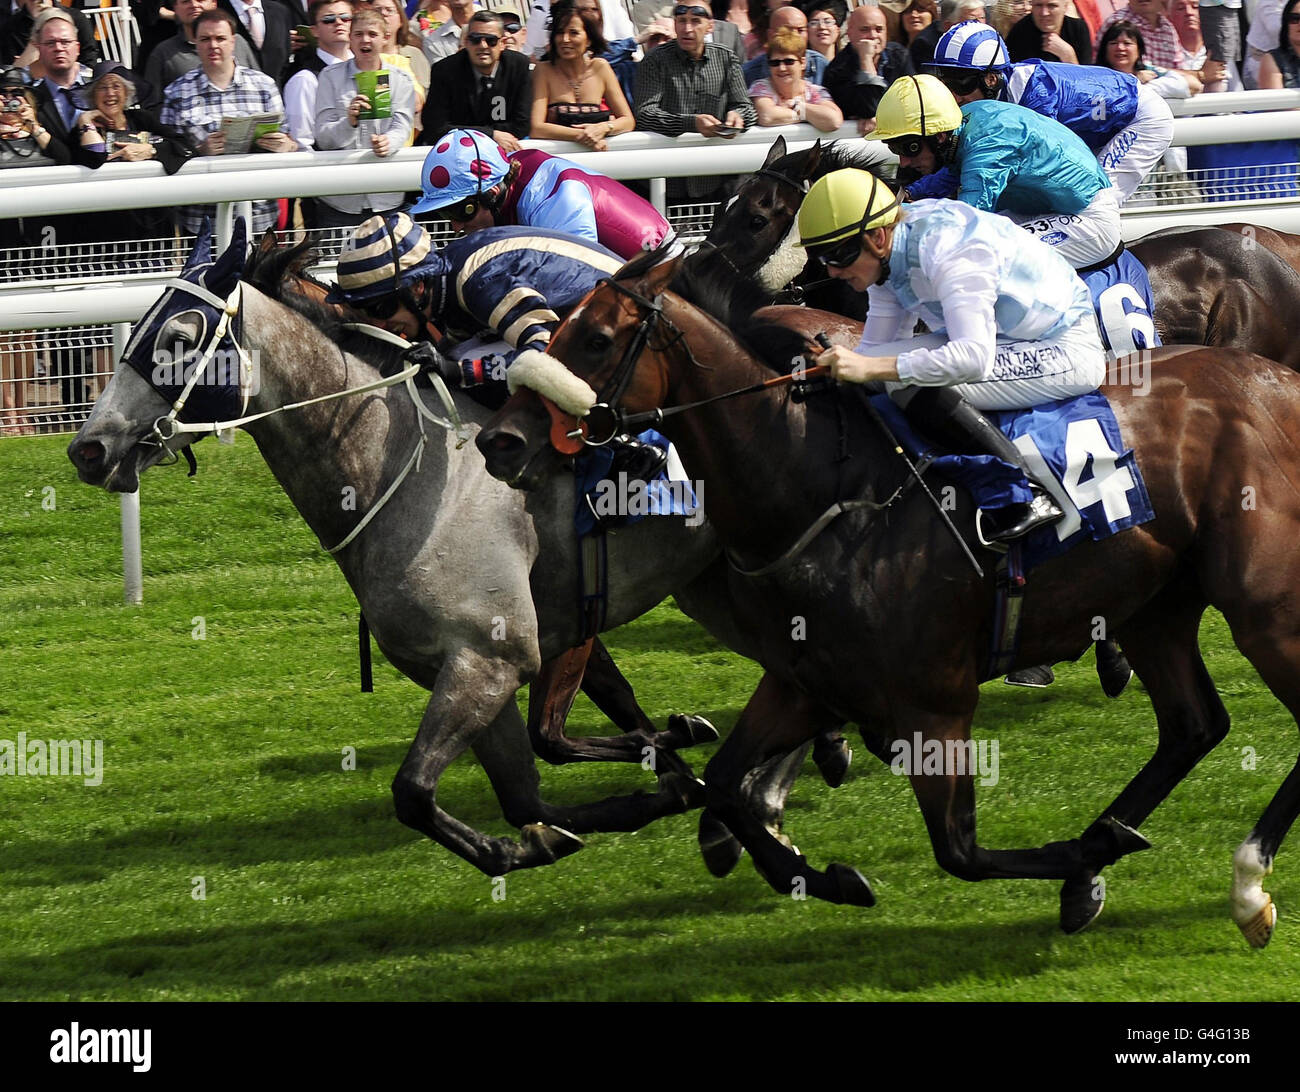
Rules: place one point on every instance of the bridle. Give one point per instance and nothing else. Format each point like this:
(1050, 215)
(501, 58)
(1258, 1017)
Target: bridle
(605, 421)
(168, 427)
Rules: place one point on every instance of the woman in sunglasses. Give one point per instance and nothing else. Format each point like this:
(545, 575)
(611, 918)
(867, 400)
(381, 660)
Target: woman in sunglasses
(785, 97)
(1012, 325)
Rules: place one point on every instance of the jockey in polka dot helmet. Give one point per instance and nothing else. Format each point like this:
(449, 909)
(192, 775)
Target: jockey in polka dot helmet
(463, 173)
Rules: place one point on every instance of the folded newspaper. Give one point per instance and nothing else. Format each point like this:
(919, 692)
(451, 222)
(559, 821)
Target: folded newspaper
(243, 132)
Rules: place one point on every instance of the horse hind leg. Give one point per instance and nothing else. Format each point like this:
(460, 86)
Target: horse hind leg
(1162, 643)
(1272, 645)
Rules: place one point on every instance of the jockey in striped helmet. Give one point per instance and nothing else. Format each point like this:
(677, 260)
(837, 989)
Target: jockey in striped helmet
(517, 283)
(1126, 124)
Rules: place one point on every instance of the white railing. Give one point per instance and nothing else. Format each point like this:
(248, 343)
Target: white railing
(116, 31)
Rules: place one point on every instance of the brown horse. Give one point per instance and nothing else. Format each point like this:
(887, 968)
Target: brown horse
(895, 626)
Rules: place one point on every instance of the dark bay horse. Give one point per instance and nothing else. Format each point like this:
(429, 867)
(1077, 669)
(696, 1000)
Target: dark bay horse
(468, 586)
(1211, 286)
(897, 625)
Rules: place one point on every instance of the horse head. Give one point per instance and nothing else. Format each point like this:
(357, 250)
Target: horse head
(608, 358)
(757, 230)
(183, 361)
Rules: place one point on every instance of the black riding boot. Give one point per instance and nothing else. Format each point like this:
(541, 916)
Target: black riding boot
(948, 417)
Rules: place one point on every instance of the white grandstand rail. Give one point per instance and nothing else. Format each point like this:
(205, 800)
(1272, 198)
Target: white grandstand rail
(1235, 102)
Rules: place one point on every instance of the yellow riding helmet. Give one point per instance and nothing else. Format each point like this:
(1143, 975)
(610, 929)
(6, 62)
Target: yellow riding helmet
(844, 203)
(916, 106)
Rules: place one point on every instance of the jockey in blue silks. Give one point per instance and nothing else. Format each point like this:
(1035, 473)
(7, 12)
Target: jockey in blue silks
(1009, 159)
(1124, 122)
(1006, 159)
(515, 283)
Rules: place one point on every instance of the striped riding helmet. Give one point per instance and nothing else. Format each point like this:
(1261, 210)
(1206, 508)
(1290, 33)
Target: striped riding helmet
(383, 254)
(972, 46)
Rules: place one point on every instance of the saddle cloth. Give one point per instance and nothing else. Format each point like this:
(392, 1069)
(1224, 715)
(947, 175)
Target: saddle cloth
(1076, 452)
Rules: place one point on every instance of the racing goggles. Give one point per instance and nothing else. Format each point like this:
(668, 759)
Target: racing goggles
(843, 254)
(383, 307)
(909, 146)
(462, 211)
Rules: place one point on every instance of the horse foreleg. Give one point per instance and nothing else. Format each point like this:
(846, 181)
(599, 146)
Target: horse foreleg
(469, 697)
(508, 761)
(776, 720)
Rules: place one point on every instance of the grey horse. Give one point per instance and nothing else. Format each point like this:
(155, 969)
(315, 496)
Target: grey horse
(468, 585)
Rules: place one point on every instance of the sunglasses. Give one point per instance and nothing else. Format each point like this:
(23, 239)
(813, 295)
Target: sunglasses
(479, 39)
(782, 62)
(843, 254)
(330, 20)
(909, 146)
(511, 27)
(1293, 18)
(691, 9)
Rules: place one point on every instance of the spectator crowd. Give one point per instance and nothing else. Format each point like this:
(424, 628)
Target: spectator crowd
(273, 76)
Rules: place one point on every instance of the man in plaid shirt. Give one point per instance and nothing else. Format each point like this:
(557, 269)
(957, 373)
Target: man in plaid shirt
(686, 85)
(219, 88)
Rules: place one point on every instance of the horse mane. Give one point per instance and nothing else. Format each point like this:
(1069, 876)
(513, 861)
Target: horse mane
(839, 154)
(280, 273)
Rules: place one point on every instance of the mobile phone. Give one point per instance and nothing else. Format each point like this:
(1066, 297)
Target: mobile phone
(306, 33)
(727, 131)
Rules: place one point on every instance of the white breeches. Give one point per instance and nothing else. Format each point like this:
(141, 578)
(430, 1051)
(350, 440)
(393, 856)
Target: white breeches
(1082, 238)
(1026, 373)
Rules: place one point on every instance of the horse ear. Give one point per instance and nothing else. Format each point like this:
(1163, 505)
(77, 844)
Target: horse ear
(814, 159)
(201, 254)
(658, 279)
(224, 274)
(775, 152)
(268, 243)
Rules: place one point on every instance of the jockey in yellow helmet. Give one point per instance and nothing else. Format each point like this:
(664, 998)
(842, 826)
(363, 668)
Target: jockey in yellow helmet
(1005, 158)
(1012, 324)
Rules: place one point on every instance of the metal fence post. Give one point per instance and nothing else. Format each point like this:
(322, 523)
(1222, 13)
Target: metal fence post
(132, 564)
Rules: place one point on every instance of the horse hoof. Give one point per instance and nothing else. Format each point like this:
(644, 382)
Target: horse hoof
(692, 729)
(1258, 928)
(549, 841)
(1112, 669)
(850, 885)
(1036, 677)
(720, 848)
(833, 760)
(690, 791)
(1082, 899)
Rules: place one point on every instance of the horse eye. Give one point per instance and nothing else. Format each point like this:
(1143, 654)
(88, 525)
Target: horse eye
(599, 343)
(757, 223)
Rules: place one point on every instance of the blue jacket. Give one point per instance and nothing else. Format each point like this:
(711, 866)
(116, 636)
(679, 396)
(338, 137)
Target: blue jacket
(1093, 103)
(1012, 158)
(539, 275)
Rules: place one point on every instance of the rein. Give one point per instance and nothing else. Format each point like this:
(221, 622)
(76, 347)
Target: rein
(617, 422)
(229, 308)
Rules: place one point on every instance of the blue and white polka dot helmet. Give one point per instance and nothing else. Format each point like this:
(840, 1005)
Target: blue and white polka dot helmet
(975, 47)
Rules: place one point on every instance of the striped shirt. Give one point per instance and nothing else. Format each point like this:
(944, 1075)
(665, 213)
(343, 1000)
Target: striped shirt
(195, 106)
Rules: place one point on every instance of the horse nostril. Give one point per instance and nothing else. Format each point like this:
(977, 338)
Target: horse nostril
(500, 442)
(85, 456)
